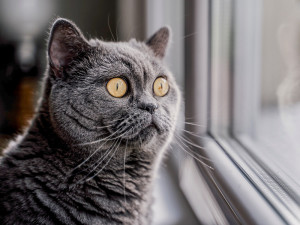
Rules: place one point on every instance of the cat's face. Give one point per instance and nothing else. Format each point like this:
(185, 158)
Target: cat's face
(104, 91)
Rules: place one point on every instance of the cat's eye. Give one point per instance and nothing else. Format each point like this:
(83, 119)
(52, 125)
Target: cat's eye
(161, 86)
(117, 87)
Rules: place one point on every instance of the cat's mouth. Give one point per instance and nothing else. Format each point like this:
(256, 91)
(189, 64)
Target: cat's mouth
(144, 135)
(139, 133)
(146, 130)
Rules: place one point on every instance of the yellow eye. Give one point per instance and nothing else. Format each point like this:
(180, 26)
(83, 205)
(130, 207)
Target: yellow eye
(161, 86)
(117, 87)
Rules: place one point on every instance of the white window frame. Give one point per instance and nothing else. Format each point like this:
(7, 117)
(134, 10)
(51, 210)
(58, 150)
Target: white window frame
(238, 180)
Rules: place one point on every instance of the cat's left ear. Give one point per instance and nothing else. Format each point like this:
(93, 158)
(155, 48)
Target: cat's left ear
(66, 43)
(158, 42)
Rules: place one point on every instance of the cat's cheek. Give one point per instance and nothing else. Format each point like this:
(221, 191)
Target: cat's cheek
(64, 125)
(101, 100)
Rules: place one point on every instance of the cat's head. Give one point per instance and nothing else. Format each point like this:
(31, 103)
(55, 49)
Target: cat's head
(110, 91)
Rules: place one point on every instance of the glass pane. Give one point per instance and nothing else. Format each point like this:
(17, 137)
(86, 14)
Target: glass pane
(279, 121)
(272, 94)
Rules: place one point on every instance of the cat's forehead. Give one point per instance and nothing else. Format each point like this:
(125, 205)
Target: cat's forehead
(132, 51)
(132, 57)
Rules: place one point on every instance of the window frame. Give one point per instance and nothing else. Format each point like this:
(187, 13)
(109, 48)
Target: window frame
(243, 195)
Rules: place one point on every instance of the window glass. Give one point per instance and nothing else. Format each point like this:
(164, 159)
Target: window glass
(272, 92)
(279, 129)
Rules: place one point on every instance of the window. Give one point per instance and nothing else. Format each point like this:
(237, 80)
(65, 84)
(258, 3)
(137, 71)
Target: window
(271, 139)
(248, 76)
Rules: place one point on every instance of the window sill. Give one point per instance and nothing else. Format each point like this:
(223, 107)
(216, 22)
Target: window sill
(231, 183)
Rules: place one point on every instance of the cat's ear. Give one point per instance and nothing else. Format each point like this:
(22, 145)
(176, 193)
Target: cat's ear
(66, 42)
(158, 42)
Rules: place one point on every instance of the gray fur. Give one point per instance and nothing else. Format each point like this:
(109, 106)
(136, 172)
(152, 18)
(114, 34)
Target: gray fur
(43, 179)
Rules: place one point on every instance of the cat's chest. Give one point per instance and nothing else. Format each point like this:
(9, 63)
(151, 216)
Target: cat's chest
(124, 202)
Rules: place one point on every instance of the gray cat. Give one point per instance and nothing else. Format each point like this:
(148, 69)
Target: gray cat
(92, 151)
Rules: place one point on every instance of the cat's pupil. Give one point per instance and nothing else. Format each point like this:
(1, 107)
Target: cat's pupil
(117, 86)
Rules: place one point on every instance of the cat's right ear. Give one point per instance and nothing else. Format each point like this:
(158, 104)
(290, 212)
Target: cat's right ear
(66, 43)
(159, 41)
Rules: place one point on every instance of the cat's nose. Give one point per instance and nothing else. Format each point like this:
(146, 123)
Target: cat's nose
(150, 107)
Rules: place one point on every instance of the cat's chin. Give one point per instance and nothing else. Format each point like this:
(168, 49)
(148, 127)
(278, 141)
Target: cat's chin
(144, 136)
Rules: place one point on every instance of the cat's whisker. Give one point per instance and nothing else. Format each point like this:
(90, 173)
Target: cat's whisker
(96, 164)
(109, 150)
(190, 35)
(96, 151)
(194, 134)
(101, 159)
(97, 141)
(124, 174)
(105, 163)
(110, 29)
(189, 132)
(116, 132)
(101, 127)
(140, 140)
(90, 156)
(192, 118)
(116, 148)
(125, 120)
(117, 35)
(193, 152)
(194, 157)
(187, 123)
(189, 118)
(190, 149)
(194, 124)
(112, 121)
(191, 143)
